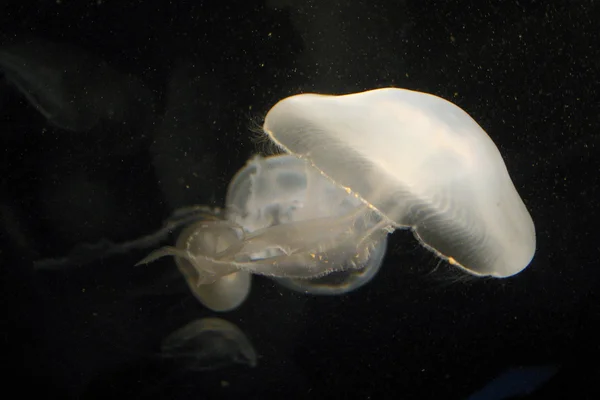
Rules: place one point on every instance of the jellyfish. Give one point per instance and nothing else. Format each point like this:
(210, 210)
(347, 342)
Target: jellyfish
(208, 344)
(409, 160)
(206, 238)
(266, 200)
(417, 162)
(274, 190)
(280, 236)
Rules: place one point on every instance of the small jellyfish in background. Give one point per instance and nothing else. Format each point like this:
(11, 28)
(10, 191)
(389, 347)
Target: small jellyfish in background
(417, 161)
(209, 344)
(282, 189)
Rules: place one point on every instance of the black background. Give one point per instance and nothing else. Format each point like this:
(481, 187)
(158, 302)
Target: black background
(527, 71)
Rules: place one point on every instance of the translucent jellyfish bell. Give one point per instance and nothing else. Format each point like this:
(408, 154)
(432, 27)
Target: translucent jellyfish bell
(284, 189)
(283, 219)
(227, 292)
(208, 344)
(312, 243)
(422, 163)
(222, 290)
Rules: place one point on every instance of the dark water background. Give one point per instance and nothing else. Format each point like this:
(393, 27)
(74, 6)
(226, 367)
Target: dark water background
(527, 71)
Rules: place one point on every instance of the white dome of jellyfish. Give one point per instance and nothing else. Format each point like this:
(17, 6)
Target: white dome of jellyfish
(359, 167)
(418, 162)
(282, 189)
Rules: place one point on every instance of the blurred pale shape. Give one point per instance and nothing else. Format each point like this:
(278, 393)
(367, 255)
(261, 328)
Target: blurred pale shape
(208, 344)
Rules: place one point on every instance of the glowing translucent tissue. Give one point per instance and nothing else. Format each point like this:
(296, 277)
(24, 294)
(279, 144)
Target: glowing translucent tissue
(422, 163)
(282, 189)
(359, 167)
(285, 220)
(209, 344)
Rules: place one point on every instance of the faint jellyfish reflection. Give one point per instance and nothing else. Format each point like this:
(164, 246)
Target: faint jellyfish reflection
(208, 344)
